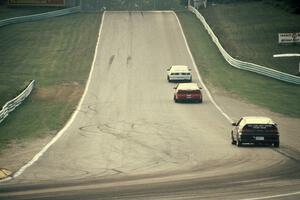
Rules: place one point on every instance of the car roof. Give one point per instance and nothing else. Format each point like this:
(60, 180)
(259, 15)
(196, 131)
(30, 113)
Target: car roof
(256, 120)
(179, 68)
(187, 86)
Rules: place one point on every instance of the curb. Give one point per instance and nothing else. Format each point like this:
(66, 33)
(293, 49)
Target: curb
(4, 173)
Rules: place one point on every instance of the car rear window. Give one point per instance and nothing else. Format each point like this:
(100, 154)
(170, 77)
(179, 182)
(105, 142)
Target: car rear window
(259, 128)
(188, 92)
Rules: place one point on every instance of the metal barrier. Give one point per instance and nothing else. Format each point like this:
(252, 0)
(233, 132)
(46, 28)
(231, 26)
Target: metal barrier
(245, 65)
(12, 104)
(41, 16)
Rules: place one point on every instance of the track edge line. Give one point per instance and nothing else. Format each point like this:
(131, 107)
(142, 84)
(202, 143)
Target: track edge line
(198, 74)
(275, 196)
(62, 131)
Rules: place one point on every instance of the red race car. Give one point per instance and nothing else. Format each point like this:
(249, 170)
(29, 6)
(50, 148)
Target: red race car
(188, 92)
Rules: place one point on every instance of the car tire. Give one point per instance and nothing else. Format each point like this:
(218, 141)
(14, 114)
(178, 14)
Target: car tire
(276, 144)
(200, 101)
(239, 143)
(176, 101)
(191, 80)
(233, 142)
(168, 78)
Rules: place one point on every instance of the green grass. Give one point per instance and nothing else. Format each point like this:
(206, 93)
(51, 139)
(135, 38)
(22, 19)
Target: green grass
(249, 32)
(270, 93)
(57, 53)
(9, 12)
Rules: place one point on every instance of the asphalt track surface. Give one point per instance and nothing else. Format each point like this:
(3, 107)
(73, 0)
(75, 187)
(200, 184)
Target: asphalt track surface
(129, 140)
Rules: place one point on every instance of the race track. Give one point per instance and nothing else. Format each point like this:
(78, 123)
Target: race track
(129, 140)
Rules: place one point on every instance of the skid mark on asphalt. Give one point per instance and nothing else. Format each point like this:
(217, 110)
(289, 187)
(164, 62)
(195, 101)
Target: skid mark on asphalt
(129, 58)
(89, 129)
(123, 130)
(289, 152)
(91, 107)
(123, 134)
(111, 60)
(115, 170)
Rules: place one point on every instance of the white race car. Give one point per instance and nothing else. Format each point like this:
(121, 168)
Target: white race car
(179, 73)
(255, 130)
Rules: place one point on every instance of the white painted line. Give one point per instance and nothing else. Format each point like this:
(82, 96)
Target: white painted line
(274, 196)
(223, 113)
(286, 55)
(62, 131)
(37, 156)
(198, 75)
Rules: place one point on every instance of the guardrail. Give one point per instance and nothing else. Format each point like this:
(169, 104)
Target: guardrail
(245, 65)
(12, 104)
(41, 16)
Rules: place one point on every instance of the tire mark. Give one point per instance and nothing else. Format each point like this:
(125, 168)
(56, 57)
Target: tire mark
(115, 170)
(164, 155)
(289, 152)
(90, 107)
(111, 60)
(86, 129)
(129, 58)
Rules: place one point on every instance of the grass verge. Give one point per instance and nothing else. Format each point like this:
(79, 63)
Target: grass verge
(270, 93)
(57, 53)
(249, 32)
